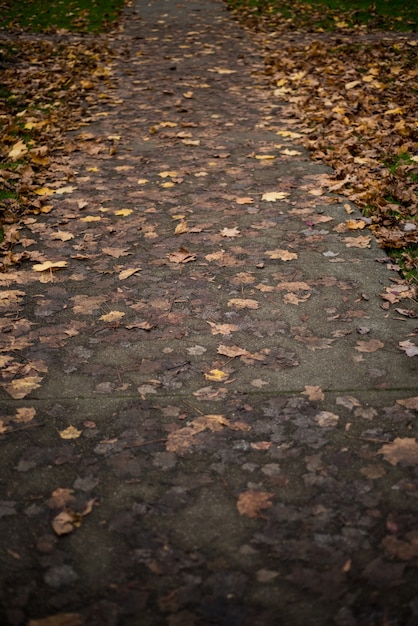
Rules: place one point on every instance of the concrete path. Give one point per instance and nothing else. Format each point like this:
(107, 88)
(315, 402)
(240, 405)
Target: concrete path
(208, 400)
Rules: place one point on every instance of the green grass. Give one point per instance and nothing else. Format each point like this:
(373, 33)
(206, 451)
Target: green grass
(330, 14)
(46, 15)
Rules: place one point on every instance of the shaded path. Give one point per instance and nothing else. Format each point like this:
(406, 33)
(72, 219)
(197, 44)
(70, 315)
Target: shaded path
(205, 395)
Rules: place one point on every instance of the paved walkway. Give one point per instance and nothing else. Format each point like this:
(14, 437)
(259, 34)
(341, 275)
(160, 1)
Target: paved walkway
(209, 407)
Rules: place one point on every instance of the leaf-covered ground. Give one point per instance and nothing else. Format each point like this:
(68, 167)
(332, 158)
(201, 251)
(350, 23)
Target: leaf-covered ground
(354, 93)
(208, 368)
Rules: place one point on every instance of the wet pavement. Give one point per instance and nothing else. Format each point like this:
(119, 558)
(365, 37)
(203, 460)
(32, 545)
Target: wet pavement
(209, 387)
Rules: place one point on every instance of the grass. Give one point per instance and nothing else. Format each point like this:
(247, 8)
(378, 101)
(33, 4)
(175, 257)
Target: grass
(50, 15)
(329, 14)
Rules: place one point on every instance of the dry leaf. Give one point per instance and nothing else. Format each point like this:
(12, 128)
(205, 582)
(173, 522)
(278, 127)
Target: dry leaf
(70, 433)
(123, 212)
(25, 414)
(130, 271)
(409, 348)
(244, 200)
(283, 255)
(402, 450)
(222, 329)
(250, 502)
(326, 419)
(358, 242)
(355, 224)
(62, 235)
(272, 196)
(112, 316)
(232, 351)
(369, 346)
(230, 232)
(314, 392)
(21, 387)
(409, 403)
(49, 265)
(181, 256)
(216, 376)
(243, 303)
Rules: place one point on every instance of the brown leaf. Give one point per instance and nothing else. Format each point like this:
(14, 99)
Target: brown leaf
(401, 450)
(181, 256)
(283, 255)
(314, 392)
(369, 346)
(243, 303)
(251, 502)
(222, 329)
(231, 351)
(409, 403)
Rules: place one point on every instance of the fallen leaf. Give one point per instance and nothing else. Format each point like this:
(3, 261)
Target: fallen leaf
(243, 303)
(222, 329)
(116, 253)
(401, 450)
(70, 433)
(25, 414)
(273, 196)
(409, 403)
(49, 265)
(314, 392)
(181, 228)
(123, 212)
(358, 242)
(231, 351)
(130, 271)
(244, 200)
(326, 419)
(230, 232)
(18, 150)
(251, 503)
(409, 348)
(21, 387)
(181, 256)
(62, 235)
(216, 376)
(355, 224)
(90, 218)
(112, 316)
(283, 255)
(369, 346)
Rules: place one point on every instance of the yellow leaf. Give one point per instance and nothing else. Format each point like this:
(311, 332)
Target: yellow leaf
(142, 181)
(128, 272)
(18, 150)
(289, 133)
(168, 184)
(188, 94)
(283, 255)
(91, 218)
(21, 387)
(265, 157)
(44, 191)
(49, 265)
(170, 174)
(70, 433)
(272, 196)
(62, 235)
(181, 228)
(113, 316)
(352, 84)
(123, 212)
(68, 189)
(355, 224)
(217, 376)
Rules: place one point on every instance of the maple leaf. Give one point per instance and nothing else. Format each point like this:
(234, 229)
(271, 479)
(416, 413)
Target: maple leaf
(181, 256)
(251, 503)
(21, 387)
(273, 196)
(326, 419)
(25, 414)
(70, 433)
(112, 316)
(358, 242)
(314, 392)
(18, 150)
(116, 252)
(369, 346)
(230, 232)
(222, 329)
(283, 255)
(401, 450)
(409, 348)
